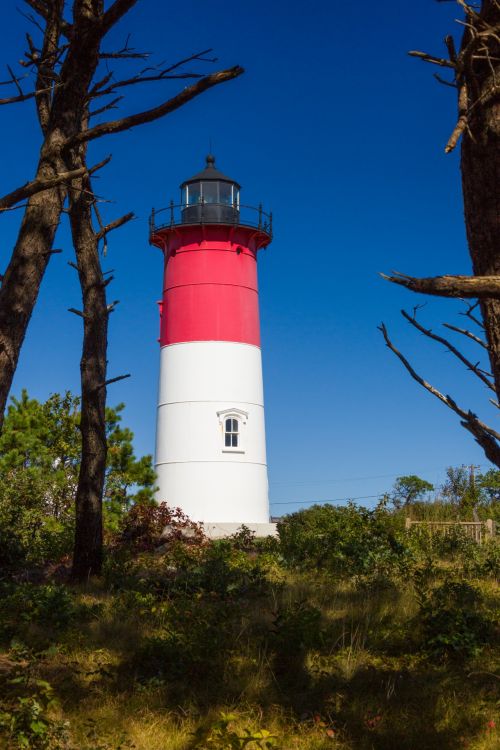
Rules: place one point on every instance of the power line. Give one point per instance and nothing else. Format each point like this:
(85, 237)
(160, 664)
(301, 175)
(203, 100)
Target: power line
(325, 502)
(357, 479)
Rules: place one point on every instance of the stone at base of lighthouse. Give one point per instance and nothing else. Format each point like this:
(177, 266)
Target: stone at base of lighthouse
(223, 530)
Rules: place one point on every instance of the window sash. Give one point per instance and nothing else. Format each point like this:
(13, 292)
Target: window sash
(231, 432)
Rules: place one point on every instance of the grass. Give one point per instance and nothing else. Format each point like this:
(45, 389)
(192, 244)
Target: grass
(317, 659)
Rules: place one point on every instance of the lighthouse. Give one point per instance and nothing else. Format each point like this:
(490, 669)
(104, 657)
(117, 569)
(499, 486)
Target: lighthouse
(210, 457)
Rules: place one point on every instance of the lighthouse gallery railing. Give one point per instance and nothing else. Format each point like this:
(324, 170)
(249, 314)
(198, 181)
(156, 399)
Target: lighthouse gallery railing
(249, 216)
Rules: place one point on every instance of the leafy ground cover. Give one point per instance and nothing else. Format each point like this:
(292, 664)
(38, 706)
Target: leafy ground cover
(348, 633)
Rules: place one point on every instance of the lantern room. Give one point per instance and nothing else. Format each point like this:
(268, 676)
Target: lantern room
(210, 197)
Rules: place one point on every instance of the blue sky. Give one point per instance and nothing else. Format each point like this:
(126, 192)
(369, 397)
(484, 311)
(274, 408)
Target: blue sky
(341, 134)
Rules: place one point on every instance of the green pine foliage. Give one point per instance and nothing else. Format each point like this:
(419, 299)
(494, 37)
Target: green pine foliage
(40, 449)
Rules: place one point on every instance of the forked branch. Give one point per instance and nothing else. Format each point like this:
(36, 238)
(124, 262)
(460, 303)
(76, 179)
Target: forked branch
(114, 225)
(451, 348)
(485, 436)
(36, 186)
(29, 95)
(190, 92)
(152, 74)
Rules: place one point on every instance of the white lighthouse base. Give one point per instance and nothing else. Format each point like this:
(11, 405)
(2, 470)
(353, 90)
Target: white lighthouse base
(223, 530)
(204, 385)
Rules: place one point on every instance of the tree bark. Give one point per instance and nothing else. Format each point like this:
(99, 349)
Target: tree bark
(464, 287)
(477, 77)
(480, 167)
(22, 279)
(63, 115)
(87, 556)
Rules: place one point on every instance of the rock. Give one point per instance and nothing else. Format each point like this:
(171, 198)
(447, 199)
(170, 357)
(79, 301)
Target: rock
(178, 532)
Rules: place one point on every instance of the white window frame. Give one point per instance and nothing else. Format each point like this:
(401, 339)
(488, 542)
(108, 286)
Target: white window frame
(241, 418)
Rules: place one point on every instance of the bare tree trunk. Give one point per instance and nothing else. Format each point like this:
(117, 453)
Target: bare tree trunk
(63, 112)
(87, 557)
(481, 171)
(21, 282)
(476, 71)
(87, 554)
(62, 108)
(22, 279)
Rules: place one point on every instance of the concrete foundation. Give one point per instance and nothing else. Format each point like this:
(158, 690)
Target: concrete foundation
(222, 530)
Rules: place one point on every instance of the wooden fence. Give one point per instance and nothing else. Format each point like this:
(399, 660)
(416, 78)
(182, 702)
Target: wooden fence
(477, 530)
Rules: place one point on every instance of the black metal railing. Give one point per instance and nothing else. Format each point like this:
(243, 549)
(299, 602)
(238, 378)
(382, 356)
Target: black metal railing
(210, 213)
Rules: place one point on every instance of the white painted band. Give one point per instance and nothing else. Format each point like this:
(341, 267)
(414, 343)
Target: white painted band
(201, 385)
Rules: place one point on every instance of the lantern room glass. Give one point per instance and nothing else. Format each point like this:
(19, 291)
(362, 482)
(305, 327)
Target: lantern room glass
(210, 191)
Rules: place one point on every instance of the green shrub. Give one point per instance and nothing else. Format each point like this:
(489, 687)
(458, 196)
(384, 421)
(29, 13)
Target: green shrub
(193, 642)
(297, 627)
(29, 532)
(49, 607)
(219, 735)
(483, 560)
(26, 711)
(453, 620)
(347, 540)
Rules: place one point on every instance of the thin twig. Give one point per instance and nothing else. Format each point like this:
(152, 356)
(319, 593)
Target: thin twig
(485, 436)
(456, 352)
(467, 333)
(190, 92)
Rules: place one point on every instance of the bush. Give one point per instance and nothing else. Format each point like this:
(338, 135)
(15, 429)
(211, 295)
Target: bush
(221, 736)
(193, 642)
(29, 533)
(347, 540)
(147, 525)
(453, 620)
(49, 606)
(26, 705)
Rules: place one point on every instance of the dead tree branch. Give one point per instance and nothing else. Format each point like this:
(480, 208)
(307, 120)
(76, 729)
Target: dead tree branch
(441, 61)
(115, 224)
(112, 105)
(42, 9)
(125, 53)
(190, 92)
(76, 312)
(449, 286)
(467, 333)
(104, 230)
(29, 95)
(156, 74)
(114, 380)
(38, 185)
(468, 314)
(462, 120)
(456, 352)
(116, 12)
(49, 55)
(485, 436)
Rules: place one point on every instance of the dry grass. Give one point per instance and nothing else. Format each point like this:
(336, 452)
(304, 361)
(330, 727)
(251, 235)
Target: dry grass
(362, 686)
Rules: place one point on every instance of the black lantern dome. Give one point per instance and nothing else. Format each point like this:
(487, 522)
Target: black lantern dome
(210, 197)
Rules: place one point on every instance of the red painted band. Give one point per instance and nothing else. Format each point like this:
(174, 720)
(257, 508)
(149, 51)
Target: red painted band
(210, 286)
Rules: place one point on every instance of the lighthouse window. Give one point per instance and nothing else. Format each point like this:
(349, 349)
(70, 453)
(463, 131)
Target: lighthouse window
(193, 194)
(210, 192)
(231, 433)
(225, 193)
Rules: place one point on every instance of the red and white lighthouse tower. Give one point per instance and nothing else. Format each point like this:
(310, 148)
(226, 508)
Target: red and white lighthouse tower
(210, 441)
